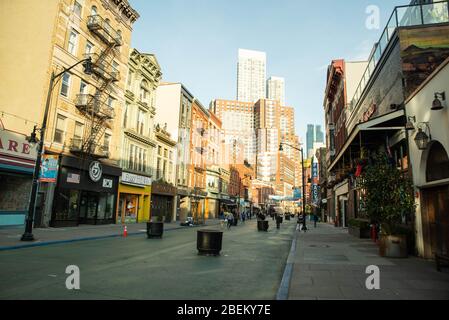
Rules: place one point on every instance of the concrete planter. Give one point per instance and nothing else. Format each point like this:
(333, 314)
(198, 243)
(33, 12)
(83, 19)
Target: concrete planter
(209, 242)
(359, 232)
(155, 229)
(262, 225)
(393, 246)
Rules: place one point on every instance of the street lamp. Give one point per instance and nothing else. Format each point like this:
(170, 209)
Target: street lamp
(422, 139)
(28, 234)
(303, 184)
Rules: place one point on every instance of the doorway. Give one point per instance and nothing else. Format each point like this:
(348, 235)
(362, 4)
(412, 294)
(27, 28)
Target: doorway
(436, 220)
(88, 208)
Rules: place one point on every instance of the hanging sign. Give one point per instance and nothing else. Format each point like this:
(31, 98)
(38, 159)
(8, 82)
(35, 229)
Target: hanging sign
(49, 168)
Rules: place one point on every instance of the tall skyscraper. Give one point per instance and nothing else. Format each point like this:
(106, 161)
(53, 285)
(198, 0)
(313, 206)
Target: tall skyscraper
(319, 135)
(251, 75)
(310, 138)
(276, 89)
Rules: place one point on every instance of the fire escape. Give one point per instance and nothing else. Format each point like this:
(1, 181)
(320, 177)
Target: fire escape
(95, 106)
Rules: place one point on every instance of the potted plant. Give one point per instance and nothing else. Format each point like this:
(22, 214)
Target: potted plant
(387, 196)
(359, 228)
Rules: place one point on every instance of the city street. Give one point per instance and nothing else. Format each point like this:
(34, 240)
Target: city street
(251, 266)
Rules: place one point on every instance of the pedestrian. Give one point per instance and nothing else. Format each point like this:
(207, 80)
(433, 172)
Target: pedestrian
(230, 220)
(315, 219)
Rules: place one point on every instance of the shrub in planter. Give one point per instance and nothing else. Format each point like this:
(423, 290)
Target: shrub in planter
(359, 228)
(387, 197)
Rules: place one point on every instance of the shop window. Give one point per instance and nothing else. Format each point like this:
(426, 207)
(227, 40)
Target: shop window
(14, 192)
(66, 205)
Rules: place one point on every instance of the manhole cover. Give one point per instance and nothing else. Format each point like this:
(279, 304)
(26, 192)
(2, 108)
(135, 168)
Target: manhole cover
(319, 246)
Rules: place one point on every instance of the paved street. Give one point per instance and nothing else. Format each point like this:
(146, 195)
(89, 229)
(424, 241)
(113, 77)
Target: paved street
(330, 264)
(251, 266)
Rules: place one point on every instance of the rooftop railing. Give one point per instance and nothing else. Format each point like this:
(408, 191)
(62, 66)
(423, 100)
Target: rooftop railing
(402, 16)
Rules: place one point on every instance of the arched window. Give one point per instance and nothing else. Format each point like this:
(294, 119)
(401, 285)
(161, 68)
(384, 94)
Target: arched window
(437, 163)
(93, 11)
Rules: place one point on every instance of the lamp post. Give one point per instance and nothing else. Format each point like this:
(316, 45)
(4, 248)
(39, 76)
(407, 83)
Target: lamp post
(28, 234)
(303, 184)
(240, 188)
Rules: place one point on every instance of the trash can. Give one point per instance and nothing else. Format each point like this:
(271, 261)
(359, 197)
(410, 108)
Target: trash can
(209, 242)
(262, 225)
(155, 229)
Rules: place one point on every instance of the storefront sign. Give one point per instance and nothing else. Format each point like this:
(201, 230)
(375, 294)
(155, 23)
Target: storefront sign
(15, 144)
(136, 179)
(49, 168)
(107, 183)
(73, 178)
(164, 189)
(95, 171)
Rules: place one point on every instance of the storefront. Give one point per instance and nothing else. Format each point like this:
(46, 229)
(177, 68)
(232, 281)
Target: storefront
(134, 198)
(86, 193)
(17, 158)
(163, 201)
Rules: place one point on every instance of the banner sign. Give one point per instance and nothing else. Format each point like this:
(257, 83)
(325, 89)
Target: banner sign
(49, 168)
(315, 193)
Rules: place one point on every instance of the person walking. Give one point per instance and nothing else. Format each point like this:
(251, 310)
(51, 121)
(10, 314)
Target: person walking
(315, 219)
(230, 220)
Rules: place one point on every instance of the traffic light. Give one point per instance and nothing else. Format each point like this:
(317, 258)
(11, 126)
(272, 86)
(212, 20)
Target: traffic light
(88, 66)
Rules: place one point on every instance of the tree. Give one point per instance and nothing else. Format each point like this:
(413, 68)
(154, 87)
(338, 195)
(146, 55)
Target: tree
(387, 193)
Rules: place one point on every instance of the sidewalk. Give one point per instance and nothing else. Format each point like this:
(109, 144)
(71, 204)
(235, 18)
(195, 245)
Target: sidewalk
(10, 237)
(330, 264)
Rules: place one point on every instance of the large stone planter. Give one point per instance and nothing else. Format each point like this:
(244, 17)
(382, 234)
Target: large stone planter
(393, 246)
(362, 233)
(262, 225)
(209, 242)
(155, 229)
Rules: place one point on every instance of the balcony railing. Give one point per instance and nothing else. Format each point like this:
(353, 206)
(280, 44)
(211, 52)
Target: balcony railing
(77, 146)
(402, 16)
(103, 29)
(91, 104)
(103, 68)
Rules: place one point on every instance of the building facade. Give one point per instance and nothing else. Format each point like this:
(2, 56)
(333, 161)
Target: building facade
(276, 89)
(176, 102)
(251, 75)
(138, 146)
(83, 129)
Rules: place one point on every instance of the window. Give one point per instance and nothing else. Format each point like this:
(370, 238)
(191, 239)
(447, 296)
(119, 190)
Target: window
(65, 84)
(131, 157)
(141, 121)
(143, 91)
(130, 78)
(60, 128)
(89, 48)
(110, 102)
(106, 142)
(77, 8)
(158, 168)
(73, 39)
(125, 116)
(93, 11)
(83, 87)
(78, 135)
(159, 150)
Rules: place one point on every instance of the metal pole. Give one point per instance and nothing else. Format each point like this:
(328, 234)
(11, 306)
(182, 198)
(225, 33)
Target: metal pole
(28, 234)
(303, 190)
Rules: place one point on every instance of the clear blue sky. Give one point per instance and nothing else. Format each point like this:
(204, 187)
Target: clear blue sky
(196, 43)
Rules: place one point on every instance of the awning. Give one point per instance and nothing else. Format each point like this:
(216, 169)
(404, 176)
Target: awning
(392, 122)
(227, 202)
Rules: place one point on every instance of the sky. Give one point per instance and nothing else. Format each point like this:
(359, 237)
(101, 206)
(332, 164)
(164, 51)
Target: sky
(196, 42)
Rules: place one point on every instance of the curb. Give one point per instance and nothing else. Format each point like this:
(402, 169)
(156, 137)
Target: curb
(284, 287)
(48, 243)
